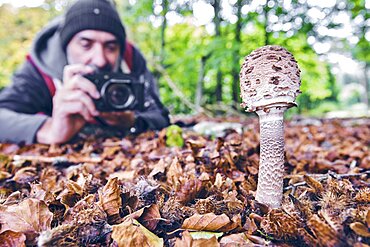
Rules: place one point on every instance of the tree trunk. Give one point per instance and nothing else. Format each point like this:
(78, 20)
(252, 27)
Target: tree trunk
(199, 92)
(163, 30)
(365, 82)
(217, 21)
(236, 65)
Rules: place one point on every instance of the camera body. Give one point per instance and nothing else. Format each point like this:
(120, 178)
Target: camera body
(118, 92)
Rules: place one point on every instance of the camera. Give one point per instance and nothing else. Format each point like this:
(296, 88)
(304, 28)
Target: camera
(118, 92)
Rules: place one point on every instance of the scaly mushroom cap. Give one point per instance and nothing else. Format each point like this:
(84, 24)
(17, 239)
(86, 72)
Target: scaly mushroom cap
(269, 76)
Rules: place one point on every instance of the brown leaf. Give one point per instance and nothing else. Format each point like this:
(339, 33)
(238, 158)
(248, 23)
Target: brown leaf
(25, 175)
(132, 233)
(160, 167)
(110, 200)
(250, 225)
(206, 222)
(13, 239)
(13, 198)
(188, 190)
(236, 222)
(360, 229)
(71, 194)
(30, 217)
(314, 184)
(188, 241)
(150, 217)
(325, 235)
(174, 173)
(4, 175)
(48, 179)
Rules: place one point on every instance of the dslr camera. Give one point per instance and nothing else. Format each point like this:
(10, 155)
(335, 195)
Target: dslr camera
(118, 92)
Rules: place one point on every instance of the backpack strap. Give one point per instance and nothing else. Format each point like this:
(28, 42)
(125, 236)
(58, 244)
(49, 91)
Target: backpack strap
(47, 79)
(128, 55)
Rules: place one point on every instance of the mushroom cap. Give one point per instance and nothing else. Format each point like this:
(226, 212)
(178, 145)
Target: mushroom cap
(269, 76)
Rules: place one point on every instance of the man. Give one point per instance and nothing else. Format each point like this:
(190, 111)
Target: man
(50, 100)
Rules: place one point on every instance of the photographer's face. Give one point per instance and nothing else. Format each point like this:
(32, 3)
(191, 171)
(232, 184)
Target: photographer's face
(92, 47)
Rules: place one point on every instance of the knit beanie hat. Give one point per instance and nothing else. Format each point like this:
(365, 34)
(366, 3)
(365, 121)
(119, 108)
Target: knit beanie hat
(92, 14)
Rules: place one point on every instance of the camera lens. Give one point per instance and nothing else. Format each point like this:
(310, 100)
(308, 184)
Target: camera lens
(119, 96)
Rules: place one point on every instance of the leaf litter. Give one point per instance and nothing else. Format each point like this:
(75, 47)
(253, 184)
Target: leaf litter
(177, 187)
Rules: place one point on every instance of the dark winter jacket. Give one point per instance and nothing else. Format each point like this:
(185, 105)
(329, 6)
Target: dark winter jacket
(27, 102)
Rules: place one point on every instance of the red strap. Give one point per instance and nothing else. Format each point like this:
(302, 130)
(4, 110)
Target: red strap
(48, 80)
(128, 55)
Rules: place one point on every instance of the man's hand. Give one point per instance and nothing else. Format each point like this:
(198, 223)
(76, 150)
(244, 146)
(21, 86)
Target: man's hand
(72, 106)
(119, 120)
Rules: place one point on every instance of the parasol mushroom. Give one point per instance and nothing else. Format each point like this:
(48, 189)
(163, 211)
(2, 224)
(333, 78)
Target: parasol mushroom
(269, 83)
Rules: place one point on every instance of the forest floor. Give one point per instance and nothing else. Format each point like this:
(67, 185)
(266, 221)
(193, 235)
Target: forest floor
(190, 186)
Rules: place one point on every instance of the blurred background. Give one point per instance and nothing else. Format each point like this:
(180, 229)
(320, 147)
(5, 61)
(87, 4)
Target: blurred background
(195, 48)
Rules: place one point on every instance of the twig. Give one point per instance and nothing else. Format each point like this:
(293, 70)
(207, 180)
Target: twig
(326, 176)
(57, 159)
(178, 92)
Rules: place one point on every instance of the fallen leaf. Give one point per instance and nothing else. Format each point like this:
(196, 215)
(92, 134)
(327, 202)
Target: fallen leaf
(360, 229)
(4, 175)
(30, 217)
(188, 190)
(188, 241)
(206, 222)
(314, 184)
(110, 200)
(150, 217)
(132, 234)
(12, 239)
(25, 175)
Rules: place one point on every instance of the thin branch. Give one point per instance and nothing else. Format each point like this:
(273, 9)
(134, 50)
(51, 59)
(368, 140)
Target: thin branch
(175, 89)
(325, 177)
(57, 159)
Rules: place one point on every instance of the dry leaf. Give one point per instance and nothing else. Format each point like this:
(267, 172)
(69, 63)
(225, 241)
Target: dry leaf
(188, 241)
(133, 234)
(110, 200)
(150, 217)
(206, 222)
(314, 184)
(174, 173)
(4, 175)
(360, 229)
(30, 217)
(25, 175)
(12, 239)
(188, 190)
(325, 235)
(71, 194)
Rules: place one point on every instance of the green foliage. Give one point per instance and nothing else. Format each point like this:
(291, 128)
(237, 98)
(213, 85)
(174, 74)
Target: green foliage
(186, 44)
(18, 27)
(174, 136)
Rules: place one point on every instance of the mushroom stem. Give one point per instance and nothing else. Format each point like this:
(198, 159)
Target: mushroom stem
(271, 168)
